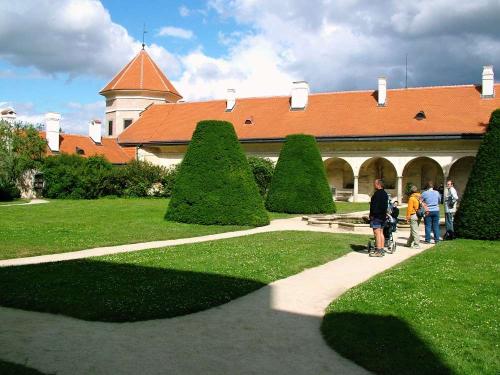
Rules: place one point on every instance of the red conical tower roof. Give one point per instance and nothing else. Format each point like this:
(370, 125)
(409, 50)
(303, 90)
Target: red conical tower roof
(141, 74)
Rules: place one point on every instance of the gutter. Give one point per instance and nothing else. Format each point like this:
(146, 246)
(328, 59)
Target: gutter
(321, 139)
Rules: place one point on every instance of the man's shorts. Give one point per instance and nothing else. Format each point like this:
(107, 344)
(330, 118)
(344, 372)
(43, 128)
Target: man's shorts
(377, 223)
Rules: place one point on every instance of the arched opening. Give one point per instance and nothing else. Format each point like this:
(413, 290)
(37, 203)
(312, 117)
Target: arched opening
(340, 177)
(376, 168)
(460, 172)
(421, 170)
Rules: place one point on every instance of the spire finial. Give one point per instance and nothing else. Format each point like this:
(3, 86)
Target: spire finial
(144, 31)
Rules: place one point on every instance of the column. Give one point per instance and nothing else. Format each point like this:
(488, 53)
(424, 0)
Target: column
(355, 190)
(400, 189)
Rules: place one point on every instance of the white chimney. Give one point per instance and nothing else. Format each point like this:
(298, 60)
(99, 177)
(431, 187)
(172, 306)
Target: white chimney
(95, 131)
(488, 82)
(52, 129)
(300, 95)
(230, 99)
(382, 91)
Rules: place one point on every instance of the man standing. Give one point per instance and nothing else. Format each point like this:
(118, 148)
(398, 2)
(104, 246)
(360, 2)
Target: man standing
(412, 218)
(378, 216)
(450, 207)
(431, 198)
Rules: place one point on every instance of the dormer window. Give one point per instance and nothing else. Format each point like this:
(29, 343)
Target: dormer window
(80, 151)
(420, 116)
(249, 121)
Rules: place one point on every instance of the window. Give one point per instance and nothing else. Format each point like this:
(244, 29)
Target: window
(420, 116)
(126, 123)
(110, 127)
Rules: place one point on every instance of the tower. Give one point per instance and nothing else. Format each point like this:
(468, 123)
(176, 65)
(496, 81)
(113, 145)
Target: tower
(139, 84)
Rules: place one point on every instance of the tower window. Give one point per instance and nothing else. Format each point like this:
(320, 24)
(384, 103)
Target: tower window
(110, 127)
(127, 123)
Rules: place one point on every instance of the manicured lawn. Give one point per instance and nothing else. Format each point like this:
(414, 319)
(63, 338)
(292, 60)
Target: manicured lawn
(164, 283)
(68, 225)
(15, 201)
(437, 313)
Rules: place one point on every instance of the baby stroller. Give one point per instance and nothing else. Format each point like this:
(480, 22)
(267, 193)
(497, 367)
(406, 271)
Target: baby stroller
(390, 227)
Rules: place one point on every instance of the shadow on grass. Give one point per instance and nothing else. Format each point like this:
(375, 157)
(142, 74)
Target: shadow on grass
(382, 344)
(360, 248)
(9, 368)
(114, 292)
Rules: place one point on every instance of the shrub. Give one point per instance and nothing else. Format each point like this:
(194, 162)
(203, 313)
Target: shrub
(262, 170)
(478, 214)
(8, 190)
(299, 183)
(75, 177)
(214, 184)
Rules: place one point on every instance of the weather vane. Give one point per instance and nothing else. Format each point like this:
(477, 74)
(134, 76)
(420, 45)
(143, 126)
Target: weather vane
(143, 34)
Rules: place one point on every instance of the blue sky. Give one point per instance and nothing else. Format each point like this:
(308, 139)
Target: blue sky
(67, 50)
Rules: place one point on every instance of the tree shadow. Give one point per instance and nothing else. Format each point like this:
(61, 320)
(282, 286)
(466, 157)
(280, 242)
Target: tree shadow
(113, 292)
(382, 344)
(9, 368)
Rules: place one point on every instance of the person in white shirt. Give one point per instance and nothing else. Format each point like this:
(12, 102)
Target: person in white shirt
(450, 207)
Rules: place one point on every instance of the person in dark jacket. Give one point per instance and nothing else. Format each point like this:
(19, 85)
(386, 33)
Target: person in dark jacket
(378, 215)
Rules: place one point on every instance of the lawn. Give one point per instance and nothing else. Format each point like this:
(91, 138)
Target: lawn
(164, 283)
(342, 208)
(68, 225)
(15, 201)
(437, 313)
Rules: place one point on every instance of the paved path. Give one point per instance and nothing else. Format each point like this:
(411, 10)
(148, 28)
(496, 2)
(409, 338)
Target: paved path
(33, 201)
(276, 225)
(274, 330)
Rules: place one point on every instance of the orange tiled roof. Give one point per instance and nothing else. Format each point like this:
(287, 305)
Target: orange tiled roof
(109, 147)
(449, 110)
(141, 73)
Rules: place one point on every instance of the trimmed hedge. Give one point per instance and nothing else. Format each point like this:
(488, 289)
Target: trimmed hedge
(214, 183)
(299, 183)
(478, 214)
(262, 169)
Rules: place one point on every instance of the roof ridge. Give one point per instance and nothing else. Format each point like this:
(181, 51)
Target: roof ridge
(141, 81)
(156, 68)
(125, 70)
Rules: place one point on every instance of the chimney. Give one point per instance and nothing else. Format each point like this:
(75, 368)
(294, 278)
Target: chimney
(95, 131)
(52, 129)
(300, 95)
(488, 90)
(230, 99)
(382, 91)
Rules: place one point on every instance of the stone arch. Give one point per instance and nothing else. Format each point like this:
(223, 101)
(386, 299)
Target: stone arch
(460, 172)
(376, 167)
(340, 177)
(420, 170)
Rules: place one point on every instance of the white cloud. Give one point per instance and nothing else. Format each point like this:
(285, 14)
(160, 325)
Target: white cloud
(184, 11)
(74, 37)
(175, 32)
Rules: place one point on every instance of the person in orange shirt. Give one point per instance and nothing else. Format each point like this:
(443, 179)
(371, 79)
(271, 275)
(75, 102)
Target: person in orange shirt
(412, 218)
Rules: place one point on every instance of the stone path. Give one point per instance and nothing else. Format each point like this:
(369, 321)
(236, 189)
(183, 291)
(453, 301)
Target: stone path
(33, 201)
(274, 330)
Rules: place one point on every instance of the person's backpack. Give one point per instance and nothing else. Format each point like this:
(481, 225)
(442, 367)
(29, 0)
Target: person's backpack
(422, 209)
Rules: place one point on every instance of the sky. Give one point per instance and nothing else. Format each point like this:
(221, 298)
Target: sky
(56, 55)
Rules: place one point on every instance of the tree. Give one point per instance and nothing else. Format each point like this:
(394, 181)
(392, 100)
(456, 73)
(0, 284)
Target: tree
(262, 169)
(299, 183)
(478, 216)
(214, 184)
(21, 149)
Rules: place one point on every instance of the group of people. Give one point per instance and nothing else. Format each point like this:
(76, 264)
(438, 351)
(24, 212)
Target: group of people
(423, 205)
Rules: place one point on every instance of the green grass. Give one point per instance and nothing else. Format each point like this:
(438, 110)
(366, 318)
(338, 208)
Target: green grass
(342, 208)
(437, 313)
(68, 225)
(164, 283)
(402, 211)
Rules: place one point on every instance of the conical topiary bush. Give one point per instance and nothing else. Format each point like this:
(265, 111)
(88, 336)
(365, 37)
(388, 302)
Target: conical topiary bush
(215, 184)
(478, 215)
(299, 183)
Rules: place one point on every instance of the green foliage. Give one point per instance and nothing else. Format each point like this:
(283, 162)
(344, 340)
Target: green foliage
(299, 183)
(478, 213)
(215, 184)
(262, 169)
(75, 177)
(21, 149)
